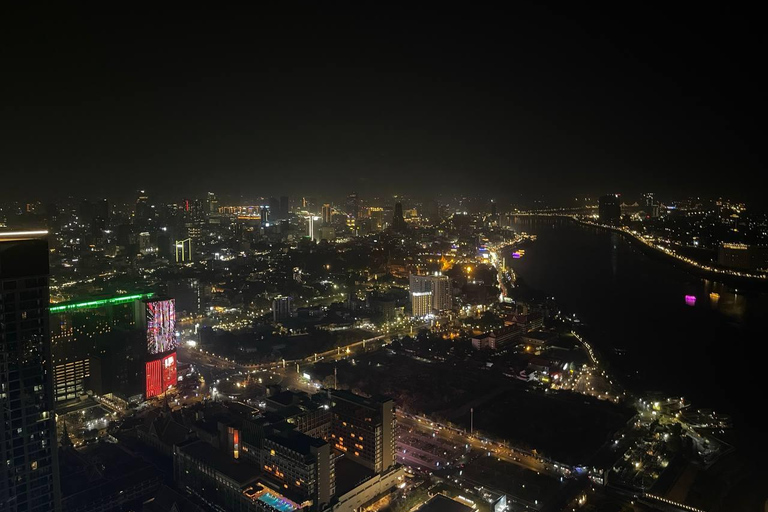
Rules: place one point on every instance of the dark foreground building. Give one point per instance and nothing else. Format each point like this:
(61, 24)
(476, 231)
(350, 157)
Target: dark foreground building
(29, 469)
(609, 209)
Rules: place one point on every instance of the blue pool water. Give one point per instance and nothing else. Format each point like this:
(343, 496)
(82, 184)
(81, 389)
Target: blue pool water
(278, 503)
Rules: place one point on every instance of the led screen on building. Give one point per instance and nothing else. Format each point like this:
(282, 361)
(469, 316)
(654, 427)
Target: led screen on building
(161, 326)
(161, 375)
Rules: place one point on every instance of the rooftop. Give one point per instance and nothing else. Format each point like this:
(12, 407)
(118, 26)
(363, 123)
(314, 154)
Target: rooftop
(236, 470)
(372, 402)
(440, 503)
(350, 474)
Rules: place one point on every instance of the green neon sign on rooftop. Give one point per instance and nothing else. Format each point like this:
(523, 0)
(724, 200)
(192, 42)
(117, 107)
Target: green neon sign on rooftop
(102, 302)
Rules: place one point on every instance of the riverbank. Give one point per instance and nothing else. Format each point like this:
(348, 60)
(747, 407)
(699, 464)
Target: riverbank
(745, 280)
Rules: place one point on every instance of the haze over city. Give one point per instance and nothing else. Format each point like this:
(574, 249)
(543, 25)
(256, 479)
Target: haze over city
(332, 257)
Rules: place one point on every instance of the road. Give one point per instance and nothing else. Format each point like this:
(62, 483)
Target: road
(460, 437)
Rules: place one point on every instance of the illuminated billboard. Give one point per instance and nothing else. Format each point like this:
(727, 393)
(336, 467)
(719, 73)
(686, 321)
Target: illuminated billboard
(161, 325)
(161, 375)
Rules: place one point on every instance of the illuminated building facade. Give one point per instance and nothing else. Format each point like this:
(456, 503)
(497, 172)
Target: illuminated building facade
(84, 337)
(29, 479)
(438, 285)
(313, 224)
(183, 250)
(327, 213)
(302, 464)
(364, 429)
(160, 374)
(160, 323)
(421, 304)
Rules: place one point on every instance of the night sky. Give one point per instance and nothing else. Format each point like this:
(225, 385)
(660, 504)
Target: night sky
(329, 98)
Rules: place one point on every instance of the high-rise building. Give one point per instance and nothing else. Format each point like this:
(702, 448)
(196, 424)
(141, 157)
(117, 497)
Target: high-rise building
(91, 341)
(302, 464)
(29, 476)
(265, 215)
(284, 207)
(421, 304)
(353, 205)
(212, 204)
(313, 224)
(609, 209)
(438, 285)
(398, 222)
(274, 208)
(143, 208)
(327, 213)
(184, 251)
(281, 308)
(364, 429)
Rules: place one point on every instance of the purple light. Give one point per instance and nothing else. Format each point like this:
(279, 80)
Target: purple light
(690, 300)
(516, 255)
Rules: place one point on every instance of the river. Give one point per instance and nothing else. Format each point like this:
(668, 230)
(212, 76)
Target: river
(636, 312)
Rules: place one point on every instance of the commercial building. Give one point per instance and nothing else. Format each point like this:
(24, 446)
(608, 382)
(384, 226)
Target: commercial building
(327, 213)
(364, 429)
(742, 256)
(398, 221)
(495, 339)
(421, 304)
(85, 334)
(440, 288)
(183, 250)
(281, 308)
(29, 475)
(609, 209)
(302, 464)
(123, 345)
(353, 205)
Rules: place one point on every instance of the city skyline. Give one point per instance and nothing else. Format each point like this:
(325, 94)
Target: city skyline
(331, 257)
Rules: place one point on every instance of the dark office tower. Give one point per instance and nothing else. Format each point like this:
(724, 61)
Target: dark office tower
(52, 215)
(29, 477)
(284, 207)
(264, 215)
(143, 210)
(274, 208)
(493, 209)
(609, 209)
(364, 429)
(101, 214)
(398, 222)
(353, 205)
(211, 203)
(86, 212)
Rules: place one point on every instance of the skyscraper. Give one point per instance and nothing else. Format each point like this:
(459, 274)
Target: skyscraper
(353, 205)
(609, 209)
(398, 222)
(313, 223)
(284, 207)
(143, 211)
(440, 288)
(421, 304)
(327, 213)
(29, 477)
(281, 308)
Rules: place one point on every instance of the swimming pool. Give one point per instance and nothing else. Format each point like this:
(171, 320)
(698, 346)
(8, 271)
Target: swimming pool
(277, 503)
